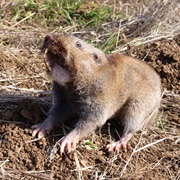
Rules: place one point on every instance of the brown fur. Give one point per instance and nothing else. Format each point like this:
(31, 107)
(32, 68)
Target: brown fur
(98, 87)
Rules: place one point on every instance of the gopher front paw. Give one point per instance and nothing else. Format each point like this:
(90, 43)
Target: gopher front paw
(42, 128)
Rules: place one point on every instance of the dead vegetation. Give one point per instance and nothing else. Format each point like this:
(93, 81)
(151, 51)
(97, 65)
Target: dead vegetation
(136, 28)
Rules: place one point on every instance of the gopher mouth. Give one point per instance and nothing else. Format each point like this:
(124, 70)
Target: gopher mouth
(57, 69)
(55, 59)
(55, 52)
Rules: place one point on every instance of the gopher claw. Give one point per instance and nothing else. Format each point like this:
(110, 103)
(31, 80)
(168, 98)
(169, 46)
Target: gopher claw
(68, 143)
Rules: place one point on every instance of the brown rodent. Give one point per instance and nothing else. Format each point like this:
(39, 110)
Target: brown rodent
(96, 87)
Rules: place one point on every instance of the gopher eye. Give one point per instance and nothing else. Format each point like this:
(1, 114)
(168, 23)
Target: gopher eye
(78, 45)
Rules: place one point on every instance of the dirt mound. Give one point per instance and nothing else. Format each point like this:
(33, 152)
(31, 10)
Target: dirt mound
(21, 157)
(164, 56)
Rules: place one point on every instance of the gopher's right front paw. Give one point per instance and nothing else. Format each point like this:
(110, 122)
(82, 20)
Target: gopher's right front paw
(41, 128)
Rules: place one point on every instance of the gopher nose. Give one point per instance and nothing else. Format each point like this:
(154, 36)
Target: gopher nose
(47, 42)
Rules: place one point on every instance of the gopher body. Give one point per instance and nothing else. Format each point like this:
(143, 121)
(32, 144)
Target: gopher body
(95, 87)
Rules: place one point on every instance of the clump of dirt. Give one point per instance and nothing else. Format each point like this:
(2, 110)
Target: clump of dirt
(164, 56)
(22, 157)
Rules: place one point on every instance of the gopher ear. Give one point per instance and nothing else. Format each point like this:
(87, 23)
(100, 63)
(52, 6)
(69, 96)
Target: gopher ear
(97, 59)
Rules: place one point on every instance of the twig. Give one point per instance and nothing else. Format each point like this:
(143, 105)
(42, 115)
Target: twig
(33, 140)
(29, 77)
(54, 150)
(22, 89)
(23, 19)
(44, 177)
(2, 169)
(82, 169)
(13, 122)
(4, 162)
(144, 40)
(78, 166)
(151, 144)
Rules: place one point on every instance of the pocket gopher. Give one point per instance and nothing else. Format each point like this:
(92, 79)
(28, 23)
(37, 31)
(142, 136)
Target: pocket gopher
(96, 87)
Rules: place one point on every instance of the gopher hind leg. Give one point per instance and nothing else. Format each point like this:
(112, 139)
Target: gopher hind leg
(133, 117)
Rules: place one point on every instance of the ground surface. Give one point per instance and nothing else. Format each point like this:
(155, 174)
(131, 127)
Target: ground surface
(25, 97)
